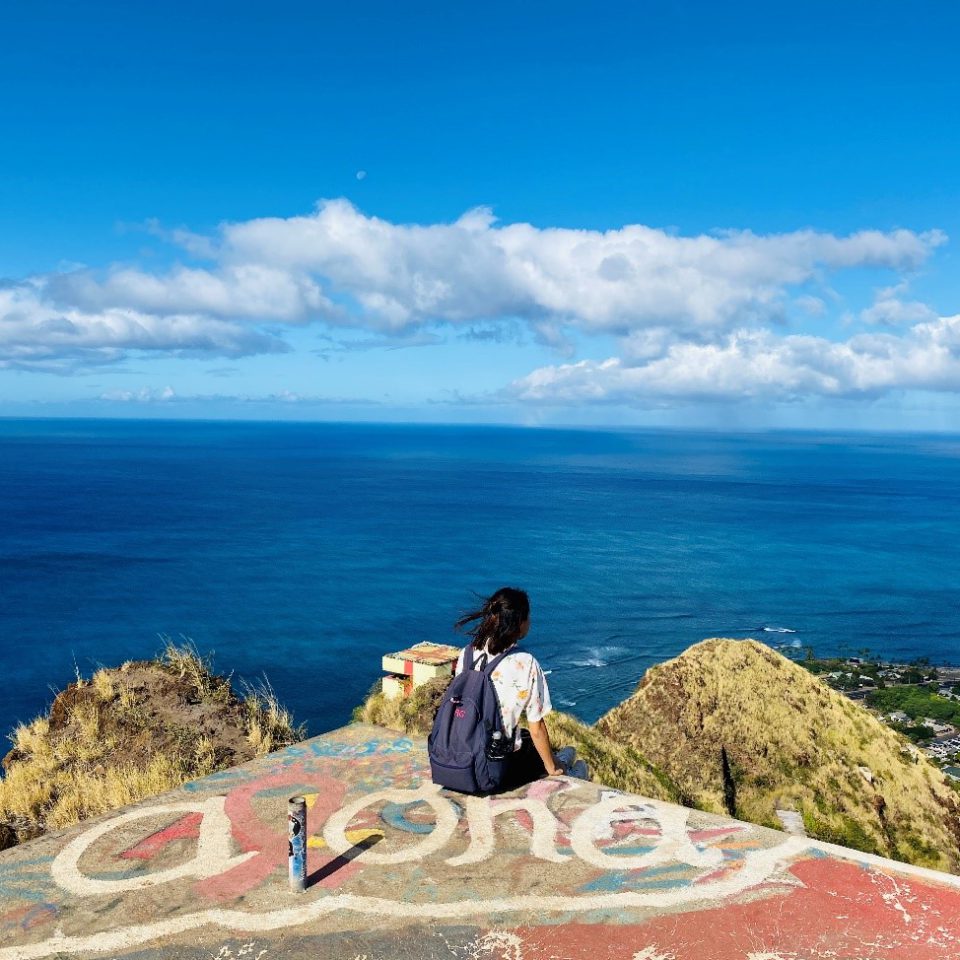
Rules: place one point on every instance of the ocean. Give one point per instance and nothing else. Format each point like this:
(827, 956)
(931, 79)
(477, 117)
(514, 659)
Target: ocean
(303, 551)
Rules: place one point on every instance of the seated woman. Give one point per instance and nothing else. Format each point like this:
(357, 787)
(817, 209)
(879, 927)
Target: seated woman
(500, 624)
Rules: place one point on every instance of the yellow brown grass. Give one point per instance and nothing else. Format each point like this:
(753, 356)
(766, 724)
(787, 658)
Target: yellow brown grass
(130, 733)
(184, 661)
(610, 763)
(791, 742)
(413, 714)
(269, 725)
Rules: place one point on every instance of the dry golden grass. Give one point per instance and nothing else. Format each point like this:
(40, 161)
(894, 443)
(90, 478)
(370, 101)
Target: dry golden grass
(80, 796)
(610, 763)
(791, 742)
(104, 684)
(269, 724)
(413, 714)
(186, 663)
(53, 783)
(131, 733)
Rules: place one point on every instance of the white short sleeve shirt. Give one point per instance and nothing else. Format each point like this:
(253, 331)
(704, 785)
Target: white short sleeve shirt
(521, 688)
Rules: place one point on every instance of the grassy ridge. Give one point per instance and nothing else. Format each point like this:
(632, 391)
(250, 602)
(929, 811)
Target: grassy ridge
(741, 729)
(130, 733)
(611, 762)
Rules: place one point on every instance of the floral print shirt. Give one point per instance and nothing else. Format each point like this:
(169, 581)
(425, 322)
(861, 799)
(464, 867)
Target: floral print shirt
(521, 687)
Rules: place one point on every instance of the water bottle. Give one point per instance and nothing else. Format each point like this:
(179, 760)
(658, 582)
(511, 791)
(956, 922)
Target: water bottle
(498, 748)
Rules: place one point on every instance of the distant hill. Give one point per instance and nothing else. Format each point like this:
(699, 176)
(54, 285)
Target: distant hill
(738, 728)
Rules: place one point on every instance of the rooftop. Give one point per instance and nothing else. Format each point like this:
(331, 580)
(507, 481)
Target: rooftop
(401, 870)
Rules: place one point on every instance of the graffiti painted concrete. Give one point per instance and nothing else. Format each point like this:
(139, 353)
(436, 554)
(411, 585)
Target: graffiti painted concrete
(398, 868)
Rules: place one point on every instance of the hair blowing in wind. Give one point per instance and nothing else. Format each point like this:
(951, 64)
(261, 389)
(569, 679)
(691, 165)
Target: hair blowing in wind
(499, 623)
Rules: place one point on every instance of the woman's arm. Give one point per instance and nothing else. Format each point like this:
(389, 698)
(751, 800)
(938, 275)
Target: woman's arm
(541, 740)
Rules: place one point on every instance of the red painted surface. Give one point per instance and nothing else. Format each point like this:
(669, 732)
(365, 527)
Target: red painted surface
(843, 912)
(186, 828)
(252, 834)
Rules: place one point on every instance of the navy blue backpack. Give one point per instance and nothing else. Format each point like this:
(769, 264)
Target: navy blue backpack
(465, 752)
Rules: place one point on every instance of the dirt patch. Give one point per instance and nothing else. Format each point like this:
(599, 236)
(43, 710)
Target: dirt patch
(155, 711)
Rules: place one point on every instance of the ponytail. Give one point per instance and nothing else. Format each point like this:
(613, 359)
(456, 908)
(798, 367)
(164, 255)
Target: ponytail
(499, 622)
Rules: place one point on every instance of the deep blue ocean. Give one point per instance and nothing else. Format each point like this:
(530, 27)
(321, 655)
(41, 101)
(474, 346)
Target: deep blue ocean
(305, 551)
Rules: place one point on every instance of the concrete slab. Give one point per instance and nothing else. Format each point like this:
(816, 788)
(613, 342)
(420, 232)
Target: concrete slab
(402, 871)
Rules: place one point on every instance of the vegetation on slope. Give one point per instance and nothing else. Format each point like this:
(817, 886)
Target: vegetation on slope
(610, 761)
(130, 733)
(917, 703)
(741, 729)
(413, 714)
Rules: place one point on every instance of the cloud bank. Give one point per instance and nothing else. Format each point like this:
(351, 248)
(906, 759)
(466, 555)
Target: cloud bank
(698, 317)
(39, 331)
(757, 364)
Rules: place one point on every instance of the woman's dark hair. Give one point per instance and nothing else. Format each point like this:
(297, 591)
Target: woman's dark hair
(501, 620)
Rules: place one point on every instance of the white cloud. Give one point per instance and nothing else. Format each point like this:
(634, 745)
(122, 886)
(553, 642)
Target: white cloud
(240, 292)
(196, 244)
(143, 395)
(761, 365)
(167, 396)
(814, 306)
(613, 281)
(890, 310)
(689, 315)
(421, 338)
(36, 334)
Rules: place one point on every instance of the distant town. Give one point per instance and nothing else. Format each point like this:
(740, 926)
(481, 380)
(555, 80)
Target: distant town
(917, 699)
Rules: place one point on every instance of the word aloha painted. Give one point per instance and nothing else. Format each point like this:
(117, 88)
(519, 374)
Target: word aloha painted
(234, 851)
(214, 856)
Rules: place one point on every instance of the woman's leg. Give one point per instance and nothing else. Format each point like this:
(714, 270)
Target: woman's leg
(524, 765)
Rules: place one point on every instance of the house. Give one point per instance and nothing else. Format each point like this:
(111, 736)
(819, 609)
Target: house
(939, 729)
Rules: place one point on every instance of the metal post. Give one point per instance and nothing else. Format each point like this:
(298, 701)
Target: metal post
(297, 835)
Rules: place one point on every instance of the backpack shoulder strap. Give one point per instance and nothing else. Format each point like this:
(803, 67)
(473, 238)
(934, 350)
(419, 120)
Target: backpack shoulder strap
(468, 657)
(495, 662)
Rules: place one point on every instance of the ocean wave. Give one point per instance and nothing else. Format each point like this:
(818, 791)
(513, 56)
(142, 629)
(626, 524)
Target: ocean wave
(600, 655)
(611, 650)
(777, 630)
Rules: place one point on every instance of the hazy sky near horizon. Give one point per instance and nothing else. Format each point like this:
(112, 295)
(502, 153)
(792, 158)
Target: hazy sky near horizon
(641, 213)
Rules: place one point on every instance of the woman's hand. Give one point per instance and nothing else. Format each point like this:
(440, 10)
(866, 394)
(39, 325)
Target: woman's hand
(556, 772)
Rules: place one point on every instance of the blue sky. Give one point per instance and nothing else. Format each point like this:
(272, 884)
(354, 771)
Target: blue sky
(650, 213)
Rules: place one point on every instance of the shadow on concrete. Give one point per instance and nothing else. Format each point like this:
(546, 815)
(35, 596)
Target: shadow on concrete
(338, 863)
